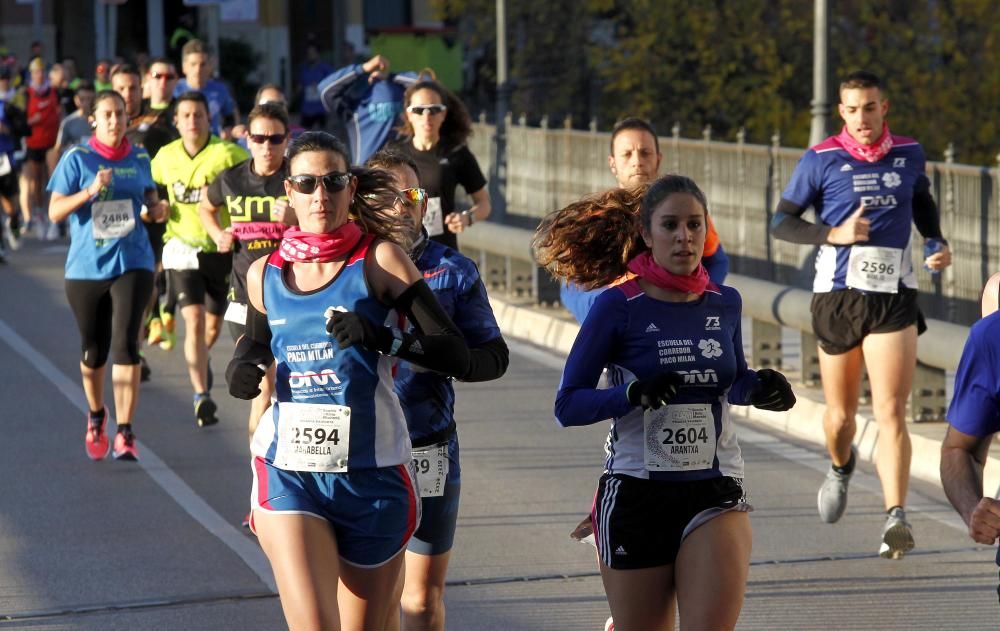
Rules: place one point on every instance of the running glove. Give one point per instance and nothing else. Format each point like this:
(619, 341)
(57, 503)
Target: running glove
(243, 377)
(775, 393)
(350, 329)
(653, 392)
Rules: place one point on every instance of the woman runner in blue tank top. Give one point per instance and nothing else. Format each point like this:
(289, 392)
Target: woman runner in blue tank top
(334, 498)
(670, 514)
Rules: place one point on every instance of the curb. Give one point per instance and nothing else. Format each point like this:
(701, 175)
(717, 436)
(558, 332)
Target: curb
(804, 421)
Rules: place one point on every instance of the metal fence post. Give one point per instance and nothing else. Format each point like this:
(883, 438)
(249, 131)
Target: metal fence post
(675, 142)
(741, 200)
(706, 185)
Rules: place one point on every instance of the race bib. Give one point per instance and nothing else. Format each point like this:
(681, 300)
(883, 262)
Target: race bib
(872, 268)
(431, 463)
(112, 219)
(313, 437)
(680, 437)
(236, 312)
(4, 164)
(178, 255)
(432, 218)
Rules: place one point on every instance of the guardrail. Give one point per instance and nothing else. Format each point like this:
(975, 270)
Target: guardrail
(509, 270)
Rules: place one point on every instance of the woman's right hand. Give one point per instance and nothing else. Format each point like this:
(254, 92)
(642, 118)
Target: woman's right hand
(102, 180)
(655, 391)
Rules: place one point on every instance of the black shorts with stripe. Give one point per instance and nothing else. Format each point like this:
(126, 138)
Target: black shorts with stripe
(641, 523)
(842, 319)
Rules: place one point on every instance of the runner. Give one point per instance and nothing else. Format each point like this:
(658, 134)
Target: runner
(253, 195)
(670, 509)
(101, 188)
(197, 274)
(428, 401)
(349, 517)
(42, 109)
(13, 127)
(197, 67)
(368, 99)
(866, 185)
(435, 128)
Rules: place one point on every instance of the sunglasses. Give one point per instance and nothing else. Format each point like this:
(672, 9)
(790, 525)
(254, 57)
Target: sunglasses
(274, 139)
(420, 110)
(163, 75)
(333, 182)
(413, 197)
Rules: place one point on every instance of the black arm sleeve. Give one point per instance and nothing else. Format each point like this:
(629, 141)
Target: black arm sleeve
(488, 361)
(258, 329)
(788, 225)
(925, 211)
(438, 344)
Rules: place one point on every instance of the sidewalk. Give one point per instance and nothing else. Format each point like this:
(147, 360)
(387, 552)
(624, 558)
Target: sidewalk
(555, 329)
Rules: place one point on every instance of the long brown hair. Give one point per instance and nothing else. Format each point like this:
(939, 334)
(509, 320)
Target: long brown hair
(457, 125)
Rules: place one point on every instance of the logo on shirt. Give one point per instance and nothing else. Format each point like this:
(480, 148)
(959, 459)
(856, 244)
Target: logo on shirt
(879, 201)
(712, 323)
(694, 377)
(652, 328)
(846, 168)
(307, 379)
(891, 179)
(185, 195)
(898, 163)
(710, 348)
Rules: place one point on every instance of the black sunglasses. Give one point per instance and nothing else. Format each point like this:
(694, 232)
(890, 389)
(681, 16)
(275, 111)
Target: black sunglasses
(274, 139)
(332, 182)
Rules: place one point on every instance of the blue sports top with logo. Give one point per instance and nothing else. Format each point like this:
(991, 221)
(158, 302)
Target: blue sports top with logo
(428, 398)
(636, 337)
(834, 183)
(108, 236)
(313, 370)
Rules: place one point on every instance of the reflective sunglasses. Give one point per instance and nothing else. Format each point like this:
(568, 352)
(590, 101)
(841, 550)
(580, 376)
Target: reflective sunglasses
(163, 75)
(413, 197)
(420, 110)
(274, 139)
(333, 182)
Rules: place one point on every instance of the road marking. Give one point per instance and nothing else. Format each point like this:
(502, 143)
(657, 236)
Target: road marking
(165, 478)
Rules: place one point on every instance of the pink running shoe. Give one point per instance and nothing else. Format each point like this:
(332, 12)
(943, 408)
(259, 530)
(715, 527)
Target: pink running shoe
(96, 440)
(125, 448)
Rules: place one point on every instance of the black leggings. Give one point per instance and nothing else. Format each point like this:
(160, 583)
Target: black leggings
(109, 314)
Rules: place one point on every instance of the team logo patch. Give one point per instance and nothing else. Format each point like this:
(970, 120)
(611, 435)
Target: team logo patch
(710, 348)
(891, 179)
(652, 328)
(899, 162)
(712, 323)
(846, 168)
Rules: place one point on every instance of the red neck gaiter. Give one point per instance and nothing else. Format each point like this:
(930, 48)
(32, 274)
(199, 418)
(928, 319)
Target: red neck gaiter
(649, 270)
(298, 246)
(108, 152)
(869, 153)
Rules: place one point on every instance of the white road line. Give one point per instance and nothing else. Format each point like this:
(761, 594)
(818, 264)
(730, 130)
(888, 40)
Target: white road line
(926, 506)
(164, 477)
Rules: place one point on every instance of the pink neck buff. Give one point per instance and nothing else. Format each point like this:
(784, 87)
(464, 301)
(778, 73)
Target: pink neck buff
(110, 153)
(298, 246)
(649, 270)
(869, 153)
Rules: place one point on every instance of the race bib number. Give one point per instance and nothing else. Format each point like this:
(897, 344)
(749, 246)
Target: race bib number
(433, 221)
(313, 437)
(179, 255)
(431, 463)
(4, 164)
(872, 268)
(112, 219)
(236, 312)
(680, 437)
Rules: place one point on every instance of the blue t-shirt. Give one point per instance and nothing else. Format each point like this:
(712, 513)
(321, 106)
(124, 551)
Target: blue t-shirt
(428, 398)
(636, 337)
(220, 103)
(834, 183)
(309, 77)
(975, 402)
(370, 110)
(91, 257)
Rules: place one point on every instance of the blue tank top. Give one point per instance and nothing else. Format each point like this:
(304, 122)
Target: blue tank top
(312, 369)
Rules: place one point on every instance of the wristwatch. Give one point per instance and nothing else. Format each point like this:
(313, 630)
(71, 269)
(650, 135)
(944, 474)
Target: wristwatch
(469, 217)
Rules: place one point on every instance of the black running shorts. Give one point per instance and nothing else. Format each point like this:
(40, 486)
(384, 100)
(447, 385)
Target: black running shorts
(641, 523)
(208, 285)
(842, 319)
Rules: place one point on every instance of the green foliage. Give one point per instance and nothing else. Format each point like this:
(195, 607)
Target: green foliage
(747, 63)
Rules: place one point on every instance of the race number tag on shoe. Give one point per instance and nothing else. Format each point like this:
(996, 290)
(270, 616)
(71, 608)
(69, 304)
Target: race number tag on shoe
(236, 312)
(112, 219)
(431, 463)
(680, 437)
(433, 221)
(313, 437)
(872, 268)
(179, 255)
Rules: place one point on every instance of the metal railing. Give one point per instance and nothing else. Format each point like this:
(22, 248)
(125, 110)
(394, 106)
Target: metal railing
(550, 167)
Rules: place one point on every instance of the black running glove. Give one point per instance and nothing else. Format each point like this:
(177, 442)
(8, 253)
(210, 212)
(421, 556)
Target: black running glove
(243, 377)
(653, 392)
(350, 329)
(775, 393)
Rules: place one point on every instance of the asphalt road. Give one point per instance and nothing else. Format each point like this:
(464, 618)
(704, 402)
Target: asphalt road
(157, 544)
